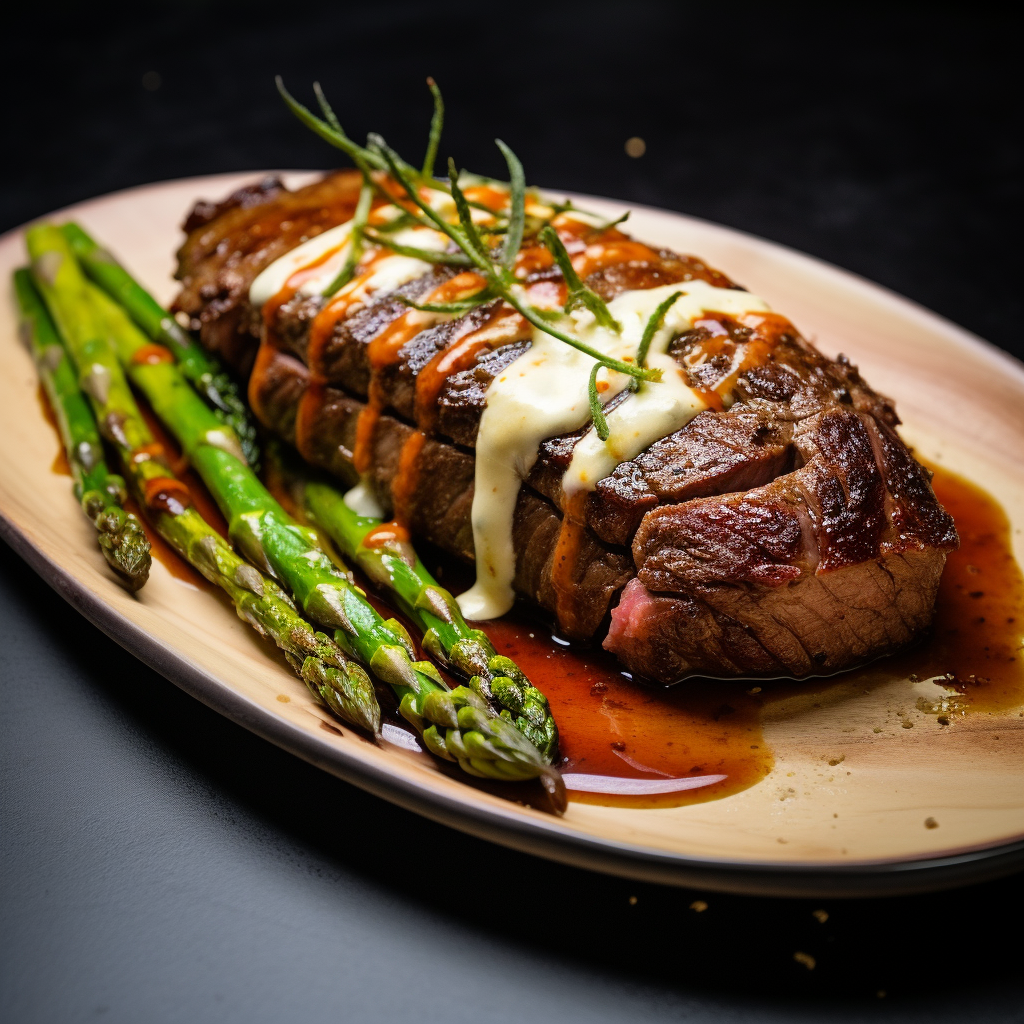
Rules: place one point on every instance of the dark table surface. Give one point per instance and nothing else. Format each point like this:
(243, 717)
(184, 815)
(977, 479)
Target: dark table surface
(160, 863)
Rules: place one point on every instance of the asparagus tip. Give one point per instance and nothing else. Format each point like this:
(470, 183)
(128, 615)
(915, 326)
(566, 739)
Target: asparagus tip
(125, 546)
(370, 715)
(347, 691)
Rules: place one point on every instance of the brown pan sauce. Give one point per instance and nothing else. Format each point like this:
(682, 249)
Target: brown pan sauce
(625, 743)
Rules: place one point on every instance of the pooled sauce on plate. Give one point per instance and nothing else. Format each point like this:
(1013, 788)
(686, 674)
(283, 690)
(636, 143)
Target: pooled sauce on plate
(60, 464)
(624, 743)
(632, 745)
(976, 649)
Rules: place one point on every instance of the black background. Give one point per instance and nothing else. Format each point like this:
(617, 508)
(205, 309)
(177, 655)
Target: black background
(160, 863)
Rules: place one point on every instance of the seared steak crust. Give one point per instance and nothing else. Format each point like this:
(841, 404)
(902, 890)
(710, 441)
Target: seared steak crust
(807, 569)
(787, 532)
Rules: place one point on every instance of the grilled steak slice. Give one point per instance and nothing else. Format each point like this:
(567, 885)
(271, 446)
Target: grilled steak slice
(785, 532)
(804, 629)
(836, 562)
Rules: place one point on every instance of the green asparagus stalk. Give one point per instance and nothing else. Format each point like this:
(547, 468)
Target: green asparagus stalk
(203, 371)
(393, 564)
(100, 493)
(455, 724)
(335, 681)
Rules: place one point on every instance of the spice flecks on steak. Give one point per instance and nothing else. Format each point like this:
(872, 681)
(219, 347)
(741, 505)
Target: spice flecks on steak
(785, 530)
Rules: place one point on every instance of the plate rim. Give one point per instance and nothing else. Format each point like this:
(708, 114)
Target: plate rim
(543, 837)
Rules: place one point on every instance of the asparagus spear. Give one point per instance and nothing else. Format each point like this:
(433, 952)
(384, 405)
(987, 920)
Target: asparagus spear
(100, 493)
(203, 371)
(455, 724)
(392, 563)
(334, 680)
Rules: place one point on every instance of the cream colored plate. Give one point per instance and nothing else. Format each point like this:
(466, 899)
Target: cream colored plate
(963, 403)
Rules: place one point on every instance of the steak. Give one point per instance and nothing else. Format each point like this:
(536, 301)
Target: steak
(786, 531)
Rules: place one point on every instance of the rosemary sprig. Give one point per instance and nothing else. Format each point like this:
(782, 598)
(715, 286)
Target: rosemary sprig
(498, 276)
(579, 293)
(651, 328)
(517, 206)
(377, 155)
(366, 158)
(462, 208)
(355, 240)
(452, 259)
(330, 130)
(436, 125)
(460, 306)
(325, 107)
(596, 409)
(393, 164)
(653, 324)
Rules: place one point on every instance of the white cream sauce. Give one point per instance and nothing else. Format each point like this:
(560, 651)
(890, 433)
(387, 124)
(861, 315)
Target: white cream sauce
(389, 273)
(273, 278)
(332, 247)
(363, 501)
(544, 393)
(657, 409)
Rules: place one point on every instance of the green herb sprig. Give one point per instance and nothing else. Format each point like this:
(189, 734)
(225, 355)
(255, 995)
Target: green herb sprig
(356, 239)
(436, 126)
(596, 409)
(499, 277)
(652, 326)
(378, 155)
(451, 259)
(459, 306)
(579, 294)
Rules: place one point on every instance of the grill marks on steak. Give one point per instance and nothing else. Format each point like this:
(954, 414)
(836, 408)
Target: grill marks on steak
(714, 453)
(789, 534)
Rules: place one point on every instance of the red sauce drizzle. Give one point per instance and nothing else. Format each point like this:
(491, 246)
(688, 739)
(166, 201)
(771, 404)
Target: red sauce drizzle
(386, 533)
(403, 485)
(337, 309)
(384, 350)
(306, 414)
(366, 427)
(613, 249)
(167, 494)
(151, 355)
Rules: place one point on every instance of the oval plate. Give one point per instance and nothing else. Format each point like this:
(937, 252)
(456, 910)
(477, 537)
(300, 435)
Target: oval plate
(856, 830)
